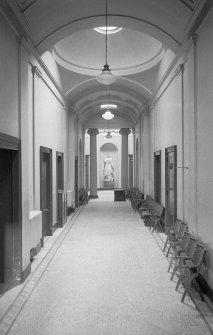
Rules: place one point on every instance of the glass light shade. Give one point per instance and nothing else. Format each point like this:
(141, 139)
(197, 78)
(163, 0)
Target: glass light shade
(109, 106)
(108, 115)
(109, 30)
(106, 77)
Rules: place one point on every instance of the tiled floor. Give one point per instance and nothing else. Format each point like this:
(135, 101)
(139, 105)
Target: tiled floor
(103, 273)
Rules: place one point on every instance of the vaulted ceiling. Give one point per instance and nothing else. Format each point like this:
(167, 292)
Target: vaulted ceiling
(151, 29)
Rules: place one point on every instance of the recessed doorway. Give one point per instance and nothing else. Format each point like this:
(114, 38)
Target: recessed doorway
(171, 184)
(157, 176)
(46, 190)
(10, 209)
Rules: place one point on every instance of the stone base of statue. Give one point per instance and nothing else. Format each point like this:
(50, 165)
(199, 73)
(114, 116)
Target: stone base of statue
(108, 184)
(119, 194)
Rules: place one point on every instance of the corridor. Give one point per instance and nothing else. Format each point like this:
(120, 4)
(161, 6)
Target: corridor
(104, 275)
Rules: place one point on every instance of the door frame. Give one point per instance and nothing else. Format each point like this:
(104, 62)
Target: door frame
(14, 144)
(156, 175)
(59, 154)
(49, 152)
(167, 151)
(76, 182)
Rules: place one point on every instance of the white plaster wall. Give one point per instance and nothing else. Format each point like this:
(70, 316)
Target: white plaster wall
(168, 131)
(71, 158)
(9, 80)
(167, 116)
(205, 138)
(189, 207)
(24, 134)
(50, 126)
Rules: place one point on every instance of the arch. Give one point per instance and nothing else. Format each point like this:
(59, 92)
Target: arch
(135, 23)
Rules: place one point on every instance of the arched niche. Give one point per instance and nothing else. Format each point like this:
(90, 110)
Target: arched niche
(108, 148)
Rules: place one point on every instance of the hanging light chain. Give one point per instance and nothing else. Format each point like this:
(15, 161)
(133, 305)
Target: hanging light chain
(106, 34)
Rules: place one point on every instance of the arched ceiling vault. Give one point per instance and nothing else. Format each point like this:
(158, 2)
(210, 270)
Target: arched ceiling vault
(152, 30)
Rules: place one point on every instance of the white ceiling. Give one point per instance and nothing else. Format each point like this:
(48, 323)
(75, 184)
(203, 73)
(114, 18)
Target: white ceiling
(151, 27)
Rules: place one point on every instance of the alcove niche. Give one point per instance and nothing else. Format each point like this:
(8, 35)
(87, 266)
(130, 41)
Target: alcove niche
(112, 150)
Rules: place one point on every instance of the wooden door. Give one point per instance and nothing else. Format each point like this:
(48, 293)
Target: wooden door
(171, 184)
(10, 210)
(60, 196)
(76, 182)
(130, 171)
(46, 190)
(157, 176)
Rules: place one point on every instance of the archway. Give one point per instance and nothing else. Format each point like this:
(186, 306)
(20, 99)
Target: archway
(112, 150)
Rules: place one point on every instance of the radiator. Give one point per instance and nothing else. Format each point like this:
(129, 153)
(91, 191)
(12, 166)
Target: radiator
(35, 229)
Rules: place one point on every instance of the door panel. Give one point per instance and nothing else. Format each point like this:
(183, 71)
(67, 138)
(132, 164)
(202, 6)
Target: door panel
(46, 190)
(157, 176)
(6, 218)
(171, 184)
(10, 209)
(76, 182)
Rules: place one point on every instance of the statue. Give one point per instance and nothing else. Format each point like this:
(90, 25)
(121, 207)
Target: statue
(108, 169)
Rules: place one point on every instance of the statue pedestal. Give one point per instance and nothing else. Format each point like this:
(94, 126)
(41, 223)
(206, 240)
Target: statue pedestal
(108, 184)
(119, 195)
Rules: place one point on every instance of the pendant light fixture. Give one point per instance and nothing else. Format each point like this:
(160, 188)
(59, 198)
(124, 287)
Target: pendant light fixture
(106, 77)
(108, 135)
(108, 115)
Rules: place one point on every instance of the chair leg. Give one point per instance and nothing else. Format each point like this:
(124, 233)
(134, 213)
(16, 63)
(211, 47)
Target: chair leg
(168, 251)
(173, 272)
(178, 283)
(165, 245)
(184, 293)
(171, 261)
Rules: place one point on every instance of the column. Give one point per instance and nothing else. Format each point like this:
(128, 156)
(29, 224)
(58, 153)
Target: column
(93, 162)
(124, 157)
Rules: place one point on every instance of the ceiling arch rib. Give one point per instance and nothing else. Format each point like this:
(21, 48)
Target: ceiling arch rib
(122, 86)
(160, 19)
(134, 23)
(91, 99)
(124, 110)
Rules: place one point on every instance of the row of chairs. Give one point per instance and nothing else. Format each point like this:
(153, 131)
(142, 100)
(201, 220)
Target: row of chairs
(187, 255)
(151, 212)
(136, 197)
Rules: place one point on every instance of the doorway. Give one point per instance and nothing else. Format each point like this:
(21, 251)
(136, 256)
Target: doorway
(87, 172)
(171, 184)
(130, 171)
(60, 196)
(10, 209)
(46, 190)
(157, 176)
(76, 182)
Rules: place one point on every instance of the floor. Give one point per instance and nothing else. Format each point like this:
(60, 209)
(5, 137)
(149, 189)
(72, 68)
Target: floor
(104, 273)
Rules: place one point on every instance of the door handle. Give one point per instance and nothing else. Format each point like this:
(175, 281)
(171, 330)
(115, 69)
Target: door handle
(45, 210)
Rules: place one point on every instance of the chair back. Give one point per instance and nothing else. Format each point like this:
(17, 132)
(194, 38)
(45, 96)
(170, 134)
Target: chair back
(177, 226)
(185, 240)
(182, 229)
(198, 255)
(191, 247)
